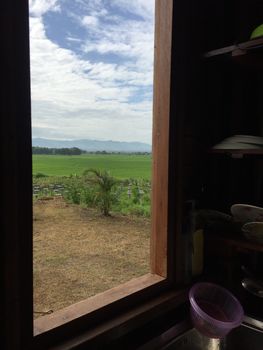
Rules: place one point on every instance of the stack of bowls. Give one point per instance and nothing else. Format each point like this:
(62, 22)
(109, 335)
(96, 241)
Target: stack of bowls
(252, 218)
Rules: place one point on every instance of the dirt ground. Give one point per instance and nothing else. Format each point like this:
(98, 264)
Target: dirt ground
(79, 253)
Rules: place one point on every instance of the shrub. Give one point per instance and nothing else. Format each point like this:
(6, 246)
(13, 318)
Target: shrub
(104, 196)
(39, 175)
(72, 191)
(87, 196)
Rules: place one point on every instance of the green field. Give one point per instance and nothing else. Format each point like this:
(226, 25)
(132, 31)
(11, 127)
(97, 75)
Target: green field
(119, 166)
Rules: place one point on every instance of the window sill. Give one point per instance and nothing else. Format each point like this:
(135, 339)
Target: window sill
(92, 304)
(112, 328)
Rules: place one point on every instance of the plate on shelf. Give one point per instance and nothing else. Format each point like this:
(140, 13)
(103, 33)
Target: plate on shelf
(247, 213)
(253, 231)
(239, 142)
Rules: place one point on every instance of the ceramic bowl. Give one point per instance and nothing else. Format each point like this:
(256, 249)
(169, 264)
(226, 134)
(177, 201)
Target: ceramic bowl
(247, 213)
(253, 231)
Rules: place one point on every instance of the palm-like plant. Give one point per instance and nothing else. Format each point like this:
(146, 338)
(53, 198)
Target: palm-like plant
(105, 182)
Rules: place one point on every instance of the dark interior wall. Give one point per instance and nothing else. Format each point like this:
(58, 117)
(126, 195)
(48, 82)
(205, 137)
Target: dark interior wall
(222, 97)
(232, 105)
(16, 172)
(232, 21)
(214, 99)
(247, 15)
(199, 26)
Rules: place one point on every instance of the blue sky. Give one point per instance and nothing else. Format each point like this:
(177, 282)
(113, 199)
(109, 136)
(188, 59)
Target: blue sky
(92, 69)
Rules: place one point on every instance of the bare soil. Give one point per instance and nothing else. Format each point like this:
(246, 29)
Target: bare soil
(79, 253)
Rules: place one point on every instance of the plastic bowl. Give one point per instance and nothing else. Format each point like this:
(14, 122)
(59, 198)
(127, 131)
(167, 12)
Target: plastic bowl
(214, 310)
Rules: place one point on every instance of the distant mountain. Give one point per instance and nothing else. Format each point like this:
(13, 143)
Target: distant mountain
(94, 145)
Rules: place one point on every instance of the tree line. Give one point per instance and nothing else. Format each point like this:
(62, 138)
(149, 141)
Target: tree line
(74, 151)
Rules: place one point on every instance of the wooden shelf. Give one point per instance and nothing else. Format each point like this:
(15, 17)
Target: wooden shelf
(235, 241)
(237, 49)
(249, 53)
(238, 153)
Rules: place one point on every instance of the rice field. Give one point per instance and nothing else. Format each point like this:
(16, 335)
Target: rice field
(119, 165)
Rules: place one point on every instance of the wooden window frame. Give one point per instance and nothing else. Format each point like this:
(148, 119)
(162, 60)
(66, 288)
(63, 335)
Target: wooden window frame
(120, 306)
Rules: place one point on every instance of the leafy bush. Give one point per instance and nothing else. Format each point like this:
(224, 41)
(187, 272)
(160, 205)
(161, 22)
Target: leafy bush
(104, 184)
(87, 196)
(40, 175)
(140, 210)
(98, 189)
(72, 191)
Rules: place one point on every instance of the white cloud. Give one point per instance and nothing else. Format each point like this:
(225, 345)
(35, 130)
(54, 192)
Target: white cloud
(75, 98)
(90, 21)
(131, 39)
(142, 8)
(39, 7)
(70, 38)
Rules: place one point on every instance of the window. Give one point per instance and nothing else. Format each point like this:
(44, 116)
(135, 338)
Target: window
(91, 81)
(17, 199)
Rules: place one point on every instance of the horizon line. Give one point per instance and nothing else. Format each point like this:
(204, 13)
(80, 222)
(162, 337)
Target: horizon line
(87, 139)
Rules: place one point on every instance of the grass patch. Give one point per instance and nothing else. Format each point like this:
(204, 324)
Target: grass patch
(119, 166)
(79, 253)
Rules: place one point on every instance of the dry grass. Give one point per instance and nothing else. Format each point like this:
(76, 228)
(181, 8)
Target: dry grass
(79, 253)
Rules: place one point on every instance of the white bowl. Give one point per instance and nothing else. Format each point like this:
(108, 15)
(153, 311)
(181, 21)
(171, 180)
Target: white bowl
(247, 213)
(253, 231)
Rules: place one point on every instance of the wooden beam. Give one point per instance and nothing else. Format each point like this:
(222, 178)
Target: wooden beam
(16, 178)
(92, 304)
(161, 117)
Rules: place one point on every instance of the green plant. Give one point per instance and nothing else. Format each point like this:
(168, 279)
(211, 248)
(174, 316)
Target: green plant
(140, 210)
(104, 182)
(87, 196)
(72, 191)
(39, 175)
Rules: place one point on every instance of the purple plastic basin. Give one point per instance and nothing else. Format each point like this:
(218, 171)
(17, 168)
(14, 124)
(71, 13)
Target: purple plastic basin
(214, 310)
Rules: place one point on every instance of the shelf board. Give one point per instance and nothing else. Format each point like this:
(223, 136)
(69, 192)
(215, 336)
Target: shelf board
(238, 153)
(248, 54)
(239, 49)
(235, 241)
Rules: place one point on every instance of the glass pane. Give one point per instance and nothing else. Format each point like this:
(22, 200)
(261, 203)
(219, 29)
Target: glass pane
(92, 82)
